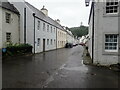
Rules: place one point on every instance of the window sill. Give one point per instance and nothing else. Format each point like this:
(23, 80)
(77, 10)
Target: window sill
(111, 15)
(111, 53)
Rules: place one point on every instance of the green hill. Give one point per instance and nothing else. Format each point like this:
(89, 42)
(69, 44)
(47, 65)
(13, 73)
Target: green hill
(79, 31)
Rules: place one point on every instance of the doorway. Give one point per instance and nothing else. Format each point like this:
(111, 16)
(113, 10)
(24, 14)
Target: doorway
(43, 45)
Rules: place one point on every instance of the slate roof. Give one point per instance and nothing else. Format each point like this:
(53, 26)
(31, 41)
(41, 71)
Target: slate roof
(42, 16)
(8, 6)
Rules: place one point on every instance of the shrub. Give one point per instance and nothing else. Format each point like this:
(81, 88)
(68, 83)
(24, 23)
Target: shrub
(16, 49)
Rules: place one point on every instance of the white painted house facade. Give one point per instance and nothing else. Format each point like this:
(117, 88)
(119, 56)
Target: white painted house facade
(9, 24)
(70, 36)
(61, 37)
(37, 28)
(104, 32)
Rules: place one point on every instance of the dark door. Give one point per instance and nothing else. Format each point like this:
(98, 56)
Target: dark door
(43, 45)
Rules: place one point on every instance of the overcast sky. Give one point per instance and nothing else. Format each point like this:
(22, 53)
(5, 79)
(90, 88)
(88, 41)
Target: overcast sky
(70, 12)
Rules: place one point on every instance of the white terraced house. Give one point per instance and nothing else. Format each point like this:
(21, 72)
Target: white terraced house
(104, 32)
(38, 29)
(9, 24)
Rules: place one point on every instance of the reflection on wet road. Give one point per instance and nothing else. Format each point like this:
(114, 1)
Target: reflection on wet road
(62, 68)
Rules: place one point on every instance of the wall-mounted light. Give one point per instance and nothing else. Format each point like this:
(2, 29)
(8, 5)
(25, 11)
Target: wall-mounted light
(87, 2)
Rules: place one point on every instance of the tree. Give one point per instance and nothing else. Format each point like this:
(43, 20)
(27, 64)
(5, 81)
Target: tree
(79, 31)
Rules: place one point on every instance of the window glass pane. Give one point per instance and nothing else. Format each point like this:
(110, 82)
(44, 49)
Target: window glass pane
(114, 48)
(106, 44)
(115, 36)
(111, 39)
(111, 42)
(8, 37)
(8, 16)
(38, 42)
(112, 7)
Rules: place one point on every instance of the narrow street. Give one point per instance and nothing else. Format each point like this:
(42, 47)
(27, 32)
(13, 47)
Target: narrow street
(62, 68)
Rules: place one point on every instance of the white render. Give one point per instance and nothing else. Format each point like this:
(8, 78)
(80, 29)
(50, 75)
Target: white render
(45, 35)
(29, 22)
(32, 28)
(70, 37)
(103, 24)
(12, 27)
(0, 28)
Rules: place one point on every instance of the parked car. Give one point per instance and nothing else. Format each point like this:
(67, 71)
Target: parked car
(68, 45)
(82, 44)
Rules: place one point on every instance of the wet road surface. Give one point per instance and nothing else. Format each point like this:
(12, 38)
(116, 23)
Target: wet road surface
(62, 68)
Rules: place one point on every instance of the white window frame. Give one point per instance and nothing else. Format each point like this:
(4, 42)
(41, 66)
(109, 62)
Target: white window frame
(47, 28)
(38, 41)
(43, 26)
(110, 50)
(7, 17)
(51, 42)
(54, 30)
(54, 41)
(8, 37)
(38, 25)
(47, 41)
(51, 29)
(110, 6)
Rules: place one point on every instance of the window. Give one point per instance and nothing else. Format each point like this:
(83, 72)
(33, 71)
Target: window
(38, 25)
(54, 41)
(38, 42)
(8, 37)
(51, 41)
(47, 41)
(111, 42)
(8, 17)
(58, 43)
(47, 28)
(112, 6)
(51, 29)
(43, 26)
(54, 30)
(58, 33)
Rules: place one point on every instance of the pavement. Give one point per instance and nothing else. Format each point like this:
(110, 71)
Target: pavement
(62, 68)
(88, 61)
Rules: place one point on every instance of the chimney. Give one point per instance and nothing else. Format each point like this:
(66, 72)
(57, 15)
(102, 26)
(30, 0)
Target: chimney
(58, 21)
(44, 10)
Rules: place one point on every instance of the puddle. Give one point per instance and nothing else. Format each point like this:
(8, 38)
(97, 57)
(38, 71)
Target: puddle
(77, 68)
(63, 66)
(80, 68)
(50, 79)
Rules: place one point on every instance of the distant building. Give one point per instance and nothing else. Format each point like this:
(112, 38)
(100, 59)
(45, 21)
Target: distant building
(104, 32)
(61, 36)
(9, 24)
(69, 37)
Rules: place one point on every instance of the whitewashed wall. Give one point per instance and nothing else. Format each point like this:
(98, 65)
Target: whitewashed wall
(12, 27)
(69, 38)
(104, 24)
(0, 28)
(45, 35)
(29, 23)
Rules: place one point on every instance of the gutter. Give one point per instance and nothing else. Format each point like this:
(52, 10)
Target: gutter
(34, 32)
(25, 25)
(56, 38)
(93, 33)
